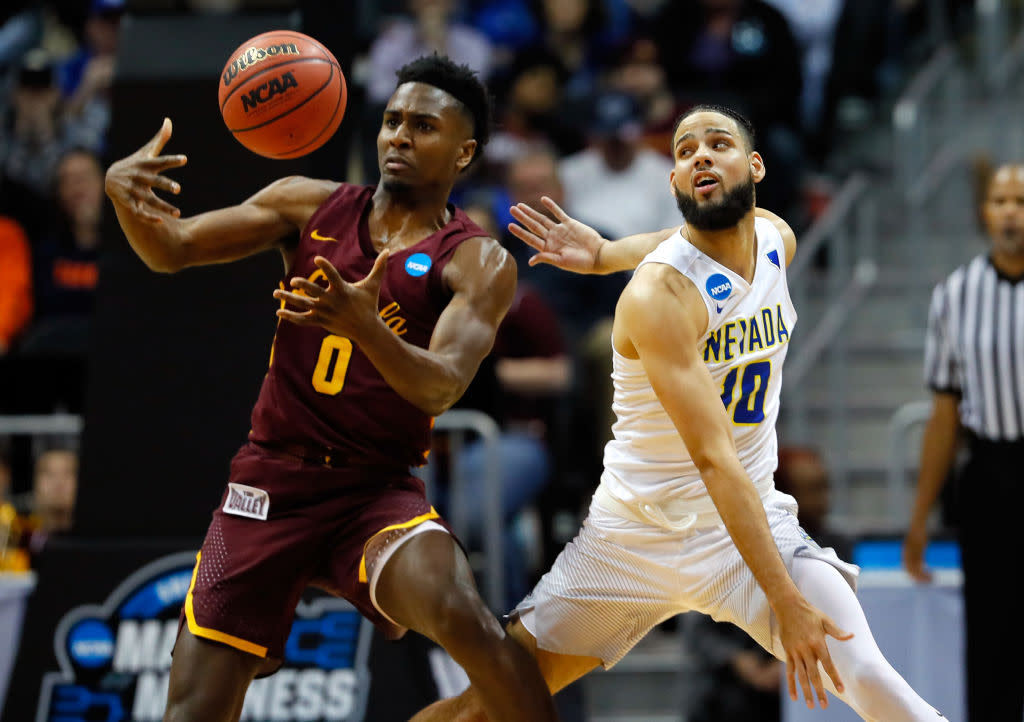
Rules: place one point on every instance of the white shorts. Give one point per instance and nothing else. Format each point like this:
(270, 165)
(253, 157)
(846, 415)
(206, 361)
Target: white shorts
(619, 578)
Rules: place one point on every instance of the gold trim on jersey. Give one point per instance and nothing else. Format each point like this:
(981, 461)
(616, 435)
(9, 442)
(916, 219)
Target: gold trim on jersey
(213, 634)
(415, 521)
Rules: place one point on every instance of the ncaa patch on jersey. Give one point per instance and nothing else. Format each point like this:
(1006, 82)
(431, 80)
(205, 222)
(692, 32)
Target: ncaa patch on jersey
(719, 287)
(417, 264)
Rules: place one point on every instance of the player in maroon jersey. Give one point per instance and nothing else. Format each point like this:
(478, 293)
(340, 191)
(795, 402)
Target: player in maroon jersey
(390, 300)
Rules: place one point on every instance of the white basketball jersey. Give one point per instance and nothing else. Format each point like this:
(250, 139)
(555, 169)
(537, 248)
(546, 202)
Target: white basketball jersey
(746, 342)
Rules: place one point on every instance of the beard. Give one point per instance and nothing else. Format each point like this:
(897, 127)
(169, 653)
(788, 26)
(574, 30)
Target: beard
(717, 216)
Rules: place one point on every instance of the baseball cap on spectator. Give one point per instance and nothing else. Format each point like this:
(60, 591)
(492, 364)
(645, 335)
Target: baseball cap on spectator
(615, 114)
(36, 69)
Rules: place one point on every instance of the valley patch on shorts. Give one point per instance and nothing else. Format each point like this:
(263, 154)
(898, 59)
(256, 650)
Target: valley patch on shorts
(283, 525)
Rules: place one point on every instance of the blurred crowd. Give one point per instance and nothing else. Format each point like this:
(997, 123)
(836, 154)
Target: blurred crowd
(586, 94)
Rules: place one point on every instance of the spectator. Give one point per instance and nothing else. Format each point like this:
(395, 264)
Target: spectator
(641, 74)
(801, 473)
(532, 110)
(32, 137)
(741, 54)
(66, 259)
(813, 25)
(616, 183)
(12, 557)
(733, 677)
(54, 492)
(972, 366)
(20, 29)
(520, 385)
(15, 283)
(86, 77)
(580, 33)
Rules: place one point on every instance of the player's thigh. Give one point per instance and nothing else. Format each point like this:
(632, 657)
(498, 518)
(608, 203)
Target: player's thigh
(427, 585)
(558, 670)
(208, 681)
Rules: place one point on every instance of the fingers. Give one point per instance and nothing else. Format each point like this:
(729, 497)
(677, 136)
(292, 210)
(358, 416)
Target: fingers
(555, 209)
(147, 202)
(296, 299)
(538, 258)
(163, 162)
(306, 318)
(304, 285)
(834, 630)
(333, 277)
(534, 220)
(378, 268)
(526, 237)
(158, 141)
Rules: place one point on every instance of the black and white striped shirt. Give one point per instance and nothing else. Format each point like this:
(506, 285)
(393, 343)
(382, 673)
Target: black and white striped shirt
(975, 348)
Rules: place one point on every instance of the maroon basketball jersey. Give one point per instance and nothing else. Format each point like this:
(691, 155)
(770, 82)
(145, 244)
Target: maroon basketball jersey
(321, 390)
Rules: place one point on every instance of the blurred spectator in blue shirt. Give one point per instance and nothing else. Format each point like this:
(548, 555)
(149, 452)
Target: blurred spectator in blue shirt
(86, 77)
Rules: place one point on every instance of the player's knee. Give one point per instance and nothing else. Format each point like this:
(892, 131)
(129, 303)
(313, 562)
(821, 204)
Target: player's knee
(867, 680)
(460, 616)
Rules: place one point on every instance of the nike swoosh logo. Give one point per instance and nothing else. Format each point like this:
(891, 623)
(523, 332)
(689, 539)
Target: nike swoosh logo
(315, 235)
(719, 308)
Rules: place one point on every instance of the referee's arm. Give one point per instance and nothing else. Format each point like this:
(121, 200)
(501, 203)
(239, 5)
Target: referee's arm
(938, 445)
(938, 449)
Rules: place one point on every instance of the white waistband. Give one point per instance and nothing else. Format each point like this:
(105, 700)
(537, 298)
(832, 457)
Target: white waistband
(672, 514)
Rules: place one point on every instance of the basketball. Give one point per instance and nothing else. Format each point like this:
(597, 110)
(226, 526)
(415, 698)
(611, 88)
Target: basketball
(282, 94)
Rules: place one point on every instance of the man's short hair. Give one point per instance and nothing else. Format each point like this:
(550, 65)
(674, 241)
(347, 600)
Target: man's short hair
(460, 82)
(745, 126)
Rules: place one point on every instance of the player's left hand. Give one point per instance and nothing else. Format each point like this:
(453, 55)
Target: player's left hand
(343, 308)
(803, 630)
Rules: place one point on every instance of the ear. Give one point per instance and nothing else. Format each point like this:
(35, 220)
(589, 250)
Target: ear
(465, 156)
(757, 166)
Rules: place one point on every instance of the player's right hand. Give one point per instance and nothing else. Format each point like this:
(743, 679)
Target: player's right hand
(913, 553)
(131, 181)
(561, 241)
(803, 630)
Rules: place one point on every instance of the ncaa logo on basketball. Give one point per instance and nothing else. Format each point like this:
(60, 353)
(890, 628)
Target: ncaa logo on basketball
(719, 287)
(115, 656)
(262, 93)
(418, 264)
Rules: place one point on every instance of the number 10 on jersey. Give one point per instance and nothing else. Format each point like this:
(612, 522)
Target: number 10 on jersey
(753, 383)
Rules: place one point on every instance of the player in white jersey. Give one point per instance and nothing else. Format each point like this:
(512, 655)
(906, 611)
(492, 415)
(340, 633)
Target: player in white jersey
(686, 516)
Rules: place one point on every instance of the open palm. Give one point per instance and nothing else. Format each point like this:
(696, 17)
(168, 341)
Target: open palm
(560, 239)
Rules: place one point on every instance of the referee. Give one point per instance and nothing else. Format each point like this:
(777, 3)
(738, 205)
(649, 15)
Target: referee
(974, 365)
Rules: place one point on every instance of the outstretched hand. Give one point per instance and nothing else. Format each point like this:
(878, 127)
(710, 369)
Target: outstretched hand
(342, 308)
(803, 630)
(131, 181)
(560, 239)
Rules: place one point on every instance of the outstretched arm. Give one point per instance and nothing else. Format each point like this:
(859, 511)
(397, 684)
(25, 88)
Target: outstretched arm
(659, 319)
(572, 245)
(167, 242)
(482, 277)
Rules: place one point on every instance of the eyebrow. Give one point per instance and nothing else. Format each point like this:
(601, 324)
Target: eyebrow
(395, 111)
(709, 131)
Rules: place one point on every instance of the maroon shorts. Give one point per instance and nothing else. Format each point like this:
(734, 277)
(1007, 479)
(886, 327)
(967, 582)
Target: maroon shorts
(310, 528)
